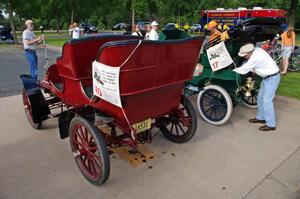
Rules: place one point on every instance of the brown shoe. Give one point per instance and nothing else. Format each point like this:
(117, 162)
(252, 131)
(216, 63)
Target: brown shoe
(266, 128)
(254, 120)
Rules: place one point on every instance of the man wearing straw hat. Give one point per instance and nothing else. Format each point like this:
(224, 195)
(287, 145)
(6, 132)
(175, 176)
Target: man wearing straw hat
(261, 63)
(30, 42)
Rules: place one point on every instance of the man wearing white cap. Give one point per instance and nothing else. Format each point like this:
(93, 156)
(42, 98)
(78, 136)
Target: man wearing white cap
(153, 33)
(30, 42)
(261, 63)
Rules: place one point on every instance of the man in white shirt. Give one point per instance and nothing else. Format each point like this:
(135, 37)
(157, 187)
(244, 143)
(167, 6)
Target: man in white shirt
(30, 42)
(261, 63)
(75, 31)
(153, 35)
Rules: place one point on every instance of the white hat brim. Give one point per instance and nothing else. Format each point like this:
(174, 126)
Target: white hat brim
(243, 54)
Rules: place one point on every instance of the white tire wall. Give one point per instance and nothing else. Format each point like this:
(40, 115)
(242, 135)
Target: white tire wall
(221, 92)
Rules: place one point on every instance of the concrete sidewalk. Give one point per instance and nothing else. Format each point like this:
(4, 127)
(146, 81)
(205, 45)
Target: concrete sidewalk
(232, 161)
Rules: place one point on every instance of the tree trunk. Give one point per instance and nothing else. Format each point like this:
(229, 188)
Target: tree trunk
(57, 23)
(292, 13)
(11, 21)
(72, 15)
(132, 16)
(48, 22)
(178, 17)
(21, 23)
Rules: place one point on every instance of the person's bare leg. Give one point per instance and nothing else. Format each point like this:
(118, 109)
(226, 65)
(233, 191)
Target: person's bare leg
(285, 63)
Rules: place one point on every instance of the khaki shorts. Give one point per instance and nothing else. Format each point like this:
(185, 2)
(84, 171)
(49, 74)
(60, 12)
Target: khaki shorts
(286, 51)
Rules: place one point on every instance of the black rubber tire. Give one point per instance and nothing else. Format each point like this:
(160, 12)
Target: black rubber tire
(101, 147)
(294, 63)
(27, 108)
(166, 123)
(250, 101)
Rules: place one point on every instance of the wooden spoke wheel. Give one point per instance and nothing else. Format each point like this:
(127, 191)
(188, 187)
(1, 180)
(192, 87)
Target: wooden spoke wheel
(89, 149)
(28, 111)
(180, 125)
(214, 104)
(250, 101)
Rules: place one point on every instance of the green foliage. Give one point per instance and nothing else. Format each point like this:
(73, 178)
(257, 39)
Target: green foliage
(55, 14)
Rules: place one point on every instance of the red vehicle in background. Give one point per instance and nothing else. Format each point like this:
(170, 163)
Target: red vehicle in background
(233, 17)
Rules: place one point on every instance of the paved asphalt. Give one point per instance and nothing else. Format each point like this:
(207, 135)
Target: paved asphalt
(13, 63)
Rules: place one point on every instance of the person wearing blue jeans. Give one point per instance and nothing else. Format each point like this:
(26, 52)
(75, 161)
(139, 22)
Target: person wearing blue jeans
(265, 98)
(261, 63)
(33, 62)
(30, 42)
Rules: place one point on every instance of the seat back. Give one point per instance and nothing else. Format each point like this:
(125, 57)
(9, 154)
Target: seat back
(152, 79)
(78, 55)
(154, 64)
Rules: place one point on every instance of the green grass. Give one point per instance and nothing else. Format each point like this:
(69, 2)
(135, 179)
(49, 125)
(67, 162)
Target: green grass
(298, 39)
(56, 42)
(290, 85)
(4, 45)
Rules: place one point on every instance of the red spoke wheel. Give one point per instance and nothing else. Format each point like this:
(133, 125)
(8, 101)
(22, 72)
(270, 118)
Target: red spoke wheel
(180, 125)
(28, 111)
(89, 149)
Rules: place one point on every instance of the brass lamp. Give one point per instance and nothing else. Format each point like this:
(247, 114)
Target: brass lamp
(248, 87)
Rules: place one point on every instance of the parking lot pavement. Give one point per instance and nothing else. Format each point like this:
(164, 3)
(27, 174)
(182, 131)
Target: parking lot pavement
(221, 162)
(13, 63)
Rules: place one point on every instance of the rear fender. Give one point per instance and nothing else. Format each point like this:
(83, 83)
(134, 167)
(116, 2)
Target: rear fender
(64, 122)
(65, 118)
(89, 113)
(39, 106)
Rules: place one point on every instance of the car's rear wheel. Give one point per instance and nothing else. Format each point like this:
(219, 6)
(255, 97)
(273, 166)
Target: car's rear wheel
(89, 149)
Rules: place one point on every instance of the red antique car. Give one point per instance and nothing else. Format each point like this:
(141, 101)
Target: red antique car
(151, 81)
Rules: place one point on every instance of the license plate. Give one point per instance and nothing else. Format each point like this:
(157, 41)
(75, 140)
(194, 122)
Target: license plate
(142, 126)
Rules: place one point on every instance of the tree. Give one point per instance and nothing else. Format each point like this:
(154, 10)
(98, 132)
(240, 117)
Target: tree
(132, 15)
(10, 4)
(292, 13)
(105, 13)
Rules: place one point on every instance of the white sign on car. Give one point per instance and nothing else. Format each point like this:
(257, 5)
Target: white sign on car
(106, 83)
(218, 57)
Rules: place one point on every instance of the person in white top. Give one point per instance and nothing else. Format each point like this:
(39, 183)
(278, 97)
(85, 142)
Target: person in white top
(30, 42)
(261, 63)
(75, 31)
(137, 31)
(153, 35)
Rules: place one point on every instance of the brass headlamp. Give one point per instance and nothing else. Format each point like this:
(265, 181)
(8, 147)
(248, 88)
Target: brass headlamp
(248, 87)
